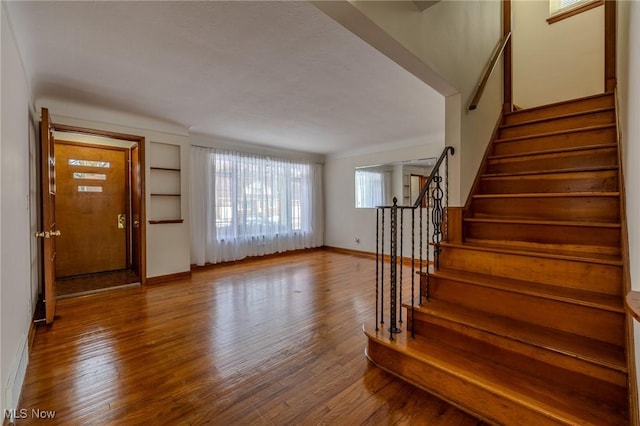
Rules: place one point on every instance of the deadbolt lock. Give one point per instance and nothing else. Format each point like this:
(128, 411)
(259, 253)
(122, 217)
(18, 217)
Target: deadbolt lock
(122, 221)
(47, 234)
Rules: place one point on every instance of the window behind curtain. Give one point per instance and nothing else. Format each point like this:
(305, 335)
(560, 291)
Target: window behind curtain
(370, 188)
(257, 196)
(251, 205)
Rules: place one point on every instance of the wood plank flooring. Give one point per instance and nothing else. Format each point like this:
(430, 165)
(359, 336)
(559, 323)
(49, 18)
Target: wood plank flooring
(274, 341)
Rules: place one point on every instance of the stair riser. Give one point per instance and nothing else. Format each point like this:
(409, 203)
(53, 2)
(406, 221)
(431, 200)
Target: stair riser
(603, 181)
(600, 278)
(468, 395)
(582, 320)
(559, 124)
(573, 160)
(579, 238)
(536, 353)
(566, 140)
(568, 208)
(605, 101)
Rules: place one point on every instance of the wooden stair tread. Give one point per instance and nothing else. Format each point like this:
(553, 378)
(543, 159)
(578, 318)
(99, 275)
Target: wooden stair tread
(564, 405)
(548, 172)
(573, 345)
(554, 104)
(547, 195)
(606, 259)
(565, 294)
(541, 222)
(558, 117)
(565, 102)
(525, 245)
(550, 152)
(556, 133)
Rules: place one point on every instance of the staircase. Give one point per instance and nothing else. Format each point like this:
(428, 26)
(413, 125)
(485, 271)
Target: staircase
(525, 323)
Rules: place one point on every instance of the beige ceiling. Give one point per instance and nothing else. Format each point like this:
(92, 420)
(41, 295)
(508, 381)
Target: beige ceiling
(281, 74)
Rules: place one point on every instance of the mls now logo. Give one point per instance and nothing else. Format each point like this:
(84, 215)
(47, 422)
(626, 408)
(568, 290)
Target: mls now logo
(23, 413)
(14, 413)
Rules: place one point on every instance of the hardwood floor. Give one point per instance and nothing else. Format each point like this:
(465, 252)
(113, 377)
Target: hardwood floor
(269, 342)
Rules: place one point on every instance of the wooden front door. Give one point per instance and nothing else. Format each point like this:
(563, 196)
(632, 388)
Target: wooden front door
(48, 231)
(91, 208)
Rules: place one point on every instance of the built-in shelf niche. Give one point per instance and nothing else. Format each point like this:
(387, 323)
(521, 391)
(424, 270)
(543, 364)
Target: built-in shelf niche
(165, 183)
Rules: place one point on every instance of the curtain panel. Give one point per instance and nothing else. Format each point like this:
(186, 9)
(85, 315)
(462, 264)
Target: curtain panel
(251, 205)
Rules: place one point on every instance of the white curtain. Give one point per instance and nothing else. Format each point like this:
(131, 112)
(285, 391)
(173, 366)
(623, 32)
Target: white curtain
(370, 188)
(250, 205)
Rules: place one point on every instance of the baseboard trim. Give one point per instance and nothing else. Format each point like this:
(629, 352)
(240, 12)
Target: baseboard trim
(169, 277)
(406, 261)
(16, 377)
(209, 265)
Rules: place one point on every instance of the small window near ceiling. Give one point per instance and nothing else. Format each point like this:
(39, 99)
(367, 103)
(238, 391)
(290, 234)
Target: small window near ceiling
(563, 9)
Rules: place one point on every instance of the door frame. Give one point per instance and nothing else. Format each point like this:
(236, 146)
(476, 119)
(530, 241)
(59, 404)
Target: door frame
(140, 143)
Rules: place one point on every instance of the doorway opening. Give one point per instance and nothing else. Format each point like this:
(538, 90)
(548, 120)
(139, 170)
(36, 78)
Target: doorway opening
(98, 210)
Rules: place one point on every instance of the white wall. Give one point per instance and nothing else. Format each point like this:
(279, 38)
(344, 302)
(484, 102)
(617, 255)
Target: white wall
(343, 222)
(2, 368)
(167, 244)
(15, 282)
(456, 39)
(559, 61)
(629, 98)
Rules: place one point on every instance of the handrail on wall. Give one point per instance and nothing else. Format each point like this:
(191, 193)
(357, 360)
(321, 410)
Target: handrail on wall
(492, 64)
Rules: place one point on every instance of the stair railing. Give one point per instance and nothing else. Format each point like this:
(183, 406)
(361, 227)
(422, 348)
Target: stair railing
(475, 100)
(430, 207)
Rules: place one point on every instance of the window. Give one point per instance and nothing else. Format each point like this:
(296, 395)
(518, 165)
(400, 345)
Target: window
(370, 188)
(258, 196)
(89, 163)
(250, 205)
(90, 176)
(85, 188)
(562, 9)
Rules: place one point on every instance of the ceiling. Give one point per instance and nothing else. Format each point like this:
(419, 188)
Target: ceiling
(280, 74)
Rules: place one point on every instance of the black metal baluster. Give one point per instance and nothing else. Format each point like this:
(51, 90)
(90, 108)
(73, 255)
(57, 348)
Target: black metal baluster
(377, 261)
(413, 269)
(436, 219)
(382, 274)
(446, 189)
(401, 260)
(427, 287)
(420, 249)
(393, 252)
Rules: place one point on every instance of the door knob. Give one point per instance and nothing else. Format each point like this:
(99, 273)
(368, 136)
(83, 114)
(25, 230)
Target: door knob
(55, 233)
(44, 234)
(136, 223)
